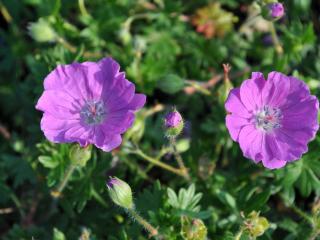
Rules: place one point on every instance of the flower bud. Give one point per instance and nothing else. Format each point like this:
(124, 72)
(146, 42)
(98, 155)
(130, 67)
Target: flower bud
(273, 11)
(41, 31)
(125, 35)
(173, 123)
(257, 225)
(120, 193)
(79, 156)
(193, 229)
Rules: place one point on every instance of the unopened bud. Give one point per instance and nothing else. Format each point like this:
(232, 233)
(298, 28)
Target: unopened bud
(173, 123)
(120, 193)
(41, 31)
(193, 229)
(79, 156)
(273, 11)
(257, 225)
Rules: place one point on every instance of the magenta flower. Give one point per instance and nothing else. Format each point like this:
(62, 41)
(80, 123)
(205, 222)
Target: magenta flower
(272, 120)
(88, 103)
(276, 10)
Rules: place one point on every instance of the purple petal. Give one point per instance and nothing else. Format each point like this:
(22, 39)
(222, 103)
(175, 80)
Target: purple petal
(234, 105)
(276, 89)
(250, 91)
(274, 163)
(71, 79)
(291, 149)
(270, 153)
(235, 124)
(118, 122)
(105, 73)
(298, 92)
(137, 102)
(54, 128)
(59, 104)
(250, 140)
(106, 142)
(121, 95)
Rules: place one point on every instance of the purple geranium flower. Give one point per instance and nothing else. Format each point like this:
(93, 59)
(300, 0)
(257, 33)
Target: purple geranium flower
(88, 103)
(272, 120)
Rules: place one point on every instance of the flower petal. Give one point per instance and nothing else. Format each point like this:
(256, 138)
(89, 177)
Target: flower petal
(235, 124)
(118, 122)
(250, 140)
(54, 129)
(299, 91)
(106, 142)
(276, 89)
(250, 91)
(137, 102)
(71, 79)
(234, 104)
(59, 104)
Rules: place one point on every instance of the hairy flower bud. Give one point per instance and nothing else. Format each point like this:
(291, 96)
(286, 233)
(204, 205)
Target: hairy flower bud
(273, 11)
(41, 31)
(257, 225)
(193, 229)
(79, 156)
(120, 193)
(173, 123)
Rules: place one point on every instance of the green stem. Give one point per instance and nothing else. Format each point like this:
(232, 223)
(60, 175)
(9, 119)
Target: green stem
(178, 157)
(239, 234)
(82, 8)
(5, 13)
(18, 204)
(152, 230)
(275, 39)
(98, 198)
(57, 193)
(302, 214)
(158, 163)
(73, 49)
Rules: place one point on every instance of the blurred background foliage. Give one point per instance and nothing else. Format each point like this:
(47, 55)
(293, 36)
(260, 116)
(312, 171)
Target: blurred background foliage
(173, 51)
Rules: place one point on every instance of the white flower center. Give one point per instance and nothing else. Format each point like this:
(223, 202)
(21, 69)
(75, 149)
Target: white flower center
(93, 112)
(268, 118)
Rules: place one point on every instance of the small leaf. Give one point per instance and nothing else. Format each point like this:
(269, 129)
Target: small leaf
(48, 162)
(171, 84)
(58, 235)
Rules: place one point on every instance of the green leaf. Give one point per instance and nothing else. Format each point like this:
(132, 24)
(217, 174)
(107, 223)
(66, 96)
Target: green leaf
(58, 235)
(171, 84)
(48, 162)
(258, 200)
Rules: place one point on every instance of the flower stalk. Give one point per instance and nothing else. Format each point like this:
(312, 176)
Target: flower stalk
(146, 225)
(121, 194)
(179, 159)
(275, 39)
(158, 163)
(66, 177)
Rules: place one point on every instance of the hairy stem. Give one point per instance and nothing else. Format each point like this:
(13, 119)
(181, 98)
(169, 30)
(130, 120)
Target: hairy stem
(178, 157)
(275, 39)
(152, 230)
